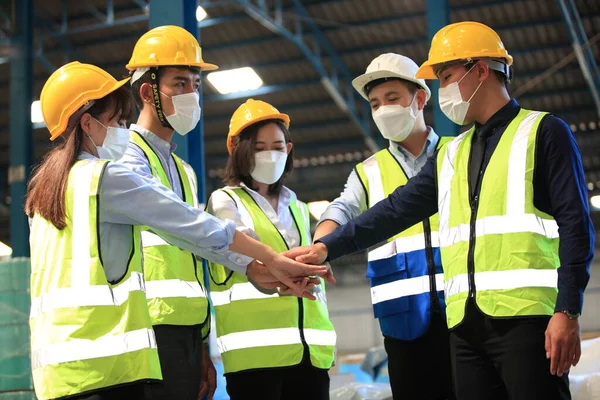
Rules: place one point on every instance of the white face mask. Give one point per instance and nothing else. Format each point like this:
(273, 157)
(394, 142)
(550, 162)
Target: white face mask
(452, 103)
(115, 143)
(268, 166)
(395, 122)
(187, 112)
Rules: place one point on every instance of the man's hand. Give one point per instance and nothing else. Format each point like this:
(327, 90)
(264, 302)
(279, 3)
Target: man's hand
(315, 254)
(563, 344)
(305, 285)
(260, 276)
(265, 282)
(285, 269)
(209, 376)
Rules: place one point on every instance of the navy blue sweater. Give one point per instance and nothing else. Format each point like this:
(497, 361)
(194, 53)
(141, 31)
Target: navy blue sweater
(559, 190)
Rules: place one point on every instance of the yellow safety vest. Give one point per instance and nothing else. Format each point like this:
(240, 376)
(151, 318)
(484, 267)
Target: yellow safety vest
(86, 333)
(174, 278)
(501, 250)
(257, 330)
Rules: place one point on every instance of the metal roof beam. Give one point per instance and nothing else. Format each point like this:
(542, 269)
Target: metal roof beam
(335, 76)
(581, 46)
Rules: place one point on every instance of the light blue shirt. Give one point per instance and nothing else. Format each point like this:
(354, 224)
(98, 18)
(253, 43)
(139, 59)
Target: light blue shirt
(353, 200)
(126, 199)
(135, 159)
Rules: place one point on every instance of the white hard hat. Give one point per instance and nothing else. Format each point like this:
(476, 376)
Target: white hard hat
(389, 65)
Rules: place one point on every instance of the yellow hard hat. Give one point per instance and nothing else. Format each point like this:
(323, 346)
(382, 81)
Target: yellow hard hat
(168, 45)
(463, 41)
(249, 113)
(70, 88)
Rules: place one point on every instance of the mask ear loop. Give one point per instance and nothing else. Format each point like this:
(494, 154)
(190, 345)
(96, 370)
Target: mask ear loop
(156, 96)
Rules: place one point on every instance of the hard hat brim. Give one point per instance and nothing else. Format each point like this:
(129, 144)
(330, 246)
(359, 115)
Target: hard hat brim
(361, 81)
(426, 71)
(202, 66)
(230, 137)
(100, 94)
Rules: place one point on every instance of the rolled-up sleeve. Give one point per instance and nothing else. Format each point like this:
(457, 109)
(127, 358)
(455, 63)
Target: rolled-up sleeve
(129, 198)
(350, 204)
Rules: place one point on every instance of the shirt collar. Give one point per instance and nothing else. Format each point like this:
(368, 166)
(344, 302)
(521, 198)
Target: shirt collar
(286, 196)
(164, 148)
(502, 117)
(428, 147)
(84, 155)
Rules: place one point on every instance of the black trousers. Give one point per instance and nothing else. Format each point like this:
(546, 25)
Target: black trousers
(301, 382)
(420, 369)
(180, 353)
(496, 359)
(133, 391)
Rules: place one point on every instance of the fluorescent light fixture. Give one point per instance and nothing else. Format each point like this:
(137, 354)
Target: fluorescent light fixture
(36, 113)
(317, 208)
(5, 250)
(200, 13)
(595, 201)
(235, 80)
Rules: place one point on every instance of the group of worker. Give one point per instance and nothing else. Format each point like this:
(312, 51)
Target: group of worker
(475, 295)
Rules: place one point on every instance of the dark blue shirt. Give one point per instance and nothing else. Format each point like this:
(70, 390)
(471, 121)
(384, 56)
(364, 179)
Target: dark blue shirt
(559, 190)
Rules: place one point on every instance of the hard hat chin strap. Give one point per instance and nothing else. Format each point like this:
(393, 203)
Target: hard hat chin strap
(156, 96)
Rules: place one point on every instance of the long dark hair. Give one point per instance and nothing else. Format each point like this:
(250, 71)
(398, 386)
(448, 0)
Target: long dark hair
(47, 186)
(241, 161)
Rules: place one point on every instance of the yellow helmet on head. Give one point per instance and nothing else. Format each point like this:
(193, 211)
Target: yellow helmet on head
(249, 113)
(71, 89)
(168, 45)
(465, 41)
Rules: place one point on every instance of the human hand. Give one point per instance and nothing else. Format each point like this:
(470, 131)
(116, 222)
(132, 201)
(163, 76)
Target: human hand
(305, 285)
(563, 344)
(315, 254)
(287, 271)
(209, 376)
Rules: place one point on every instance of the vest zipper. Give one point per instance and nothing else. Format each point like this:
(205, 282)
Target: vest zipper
(471, 254)
(430, 266)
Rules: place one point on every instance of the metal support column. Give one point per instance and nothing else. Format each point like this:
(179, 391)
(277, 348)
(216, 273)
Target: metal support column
(21, 73)
(438, 16)
(583, 52)
(173, 12)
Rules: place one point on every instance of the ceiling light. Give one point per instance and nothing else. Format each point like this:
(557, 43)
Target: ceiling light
(235, 80)
(200, 13)
(36, 112)
(317, 208)
(595, 201)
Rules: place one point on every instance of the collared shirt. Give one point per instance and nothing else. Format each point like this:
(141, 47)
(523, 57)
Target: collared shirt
(223, 207)
(126, 199)
(353, 200)
(559, 188)
(135, 159)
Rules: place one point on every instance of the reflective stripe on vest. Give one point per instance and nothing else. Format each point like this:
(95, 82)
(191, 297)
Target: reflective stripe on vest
(174, 278)
(81, 325)
(85, 296)
(106, 346)
(404, 287)
(274, 337)
(516, 245)
(257, 330)
(379, 185)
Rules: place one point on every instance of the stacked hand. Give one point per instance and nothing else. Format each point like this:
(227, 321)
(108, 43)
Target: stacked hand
(286, 276)
(315, 254)
(289, 272)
